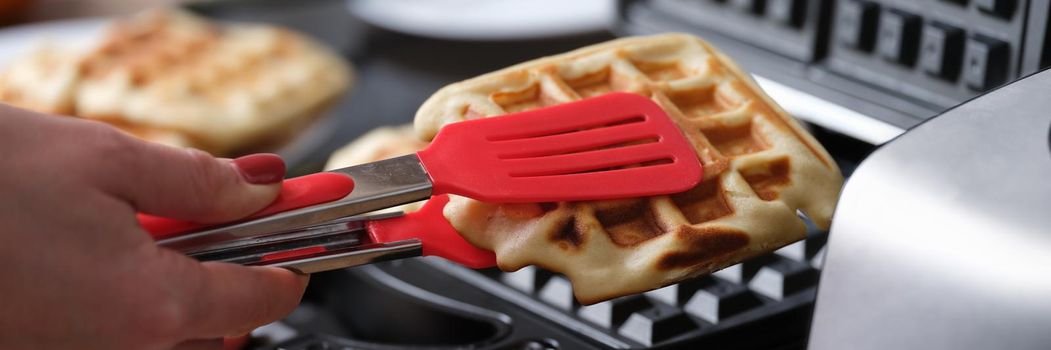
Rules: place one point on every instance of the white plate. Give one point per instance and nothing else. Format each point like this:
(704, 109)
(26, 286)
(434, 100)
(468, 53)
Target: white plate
(83, 34)
(486, 19)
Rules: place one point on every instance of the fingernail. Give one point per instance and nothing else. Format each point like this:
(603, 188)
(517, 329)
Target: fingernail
(261, 168)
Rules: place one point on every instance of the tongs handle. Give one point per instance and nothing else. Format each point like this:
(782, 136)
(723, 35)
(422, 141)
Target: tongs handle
(295, 193)
(369, 239)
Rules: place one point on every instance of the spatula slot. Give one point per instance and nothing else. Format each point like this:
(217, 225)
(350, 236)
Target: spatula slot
(570, 147)
(645, 154)
(582, 126)
(607, 170)
(650, 163)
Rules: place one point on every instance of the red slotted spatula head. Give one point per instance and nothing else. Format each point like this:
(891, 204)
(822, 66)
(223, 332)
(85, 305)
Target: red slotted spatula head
(617, 145)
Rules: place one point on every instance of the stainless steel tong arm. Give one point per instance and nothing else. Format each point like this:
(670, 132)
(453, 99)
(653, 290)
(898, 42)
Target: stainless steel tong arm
(340, 243)
(377, 185)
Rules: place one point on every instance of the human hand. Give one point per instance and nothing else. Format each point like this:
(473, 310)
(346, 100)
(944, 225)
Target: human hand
(79, 272)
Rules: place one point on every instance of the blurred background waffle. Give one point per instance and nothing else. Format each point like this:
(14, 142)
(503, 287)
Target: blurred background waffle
(172, 77)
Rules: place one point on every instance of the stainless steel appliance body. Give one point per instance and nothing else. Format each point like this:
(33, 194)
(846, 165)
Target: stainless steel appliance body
(942, 238)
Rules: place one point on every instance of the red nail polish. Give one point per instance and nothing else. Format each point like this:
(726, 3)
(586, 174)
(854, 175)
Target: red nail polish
(261, 168)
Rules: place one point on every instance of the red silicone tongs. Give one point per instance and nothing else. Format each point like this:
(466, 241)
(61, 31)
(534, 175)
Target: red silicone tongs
(616, 145)
(354, 241)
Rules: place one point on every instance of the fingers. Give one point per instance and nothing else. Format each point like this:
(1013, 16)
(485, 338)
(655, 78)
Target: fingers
(229, 300)
(191, 185)
(212, 300)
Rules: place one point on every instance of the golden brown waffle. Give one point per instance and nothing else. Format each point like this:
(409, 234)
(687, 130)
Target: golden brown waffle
(379, 144)
(760, 168)
(173, 77)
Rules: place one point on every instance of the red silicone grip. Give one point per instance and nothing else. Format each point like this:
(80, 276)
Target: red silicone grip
(438, 236)
(296, 193)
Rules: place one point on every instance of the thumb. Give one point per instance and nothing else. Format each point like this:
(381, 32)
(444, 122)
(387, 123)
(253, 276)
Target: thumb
(189, 184)
(219, 299)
